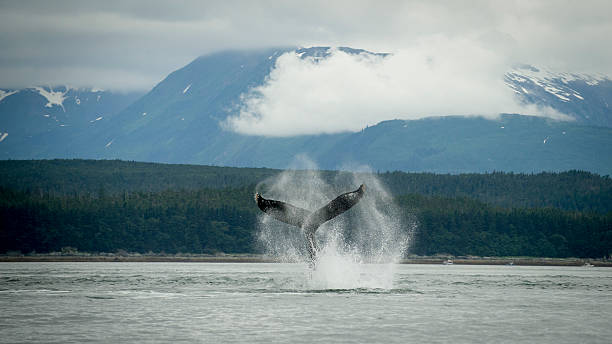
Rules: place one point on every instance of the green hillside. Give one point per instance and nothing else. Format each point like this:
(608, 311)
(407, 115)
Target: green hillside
(105, 206)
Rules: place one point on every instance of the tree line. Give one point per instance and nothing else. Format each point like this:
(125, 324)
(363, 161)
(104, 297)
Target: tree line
(225, 220)
(571, 190)
(203, 221)
(462, 226)
(110, 205)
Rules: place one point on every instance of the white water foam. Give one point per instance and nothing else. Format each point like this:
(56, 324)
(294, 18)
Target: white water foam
(357, 249)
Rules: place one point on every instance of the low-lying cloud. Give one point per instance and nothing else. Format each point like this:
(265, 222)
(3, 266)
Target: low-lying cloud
(347, 92)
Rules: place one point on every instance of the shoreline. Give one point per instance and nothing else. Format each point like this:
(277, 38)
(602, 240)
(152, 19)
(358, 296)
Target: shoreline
(518, 261)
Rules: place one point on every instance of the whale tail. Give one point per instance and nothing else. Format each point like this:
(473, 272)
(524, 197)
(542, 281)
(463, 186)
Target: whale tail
(336, 207)
(282, 211)
(307, 220)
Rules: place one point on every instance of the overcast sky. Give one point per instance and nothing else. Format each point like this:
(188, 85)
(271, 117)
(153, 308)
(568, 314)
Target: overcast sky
(134, 44)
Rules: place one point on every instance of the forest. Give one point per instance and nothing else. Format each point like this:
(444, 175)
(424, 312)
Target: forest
(109, 205)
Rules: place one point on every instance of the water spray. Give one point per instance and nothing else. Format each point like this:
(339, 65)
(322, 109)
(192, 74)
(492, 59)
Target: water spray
(355, 250)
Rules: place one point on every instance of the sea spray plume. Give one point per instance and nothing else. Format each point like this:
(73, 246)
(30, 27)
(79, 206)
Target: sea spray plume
(375, 230)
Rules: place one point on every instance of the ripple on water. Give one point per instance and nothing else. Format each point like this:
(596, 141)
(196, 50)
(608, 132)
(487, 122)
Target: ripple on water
(263, 303)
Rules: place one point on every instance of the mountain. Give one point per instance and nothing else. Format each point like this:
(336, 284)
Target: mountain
(467, 144)
(586, 98)
(41, 122)
(179, 121)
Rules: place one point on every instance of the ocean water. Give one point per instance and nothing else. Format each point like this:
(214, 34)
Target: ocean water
(287, 303)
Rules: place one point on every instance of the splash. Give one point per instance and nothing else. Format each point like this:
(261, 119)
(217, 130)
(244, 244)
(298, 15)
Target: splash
(358, 249)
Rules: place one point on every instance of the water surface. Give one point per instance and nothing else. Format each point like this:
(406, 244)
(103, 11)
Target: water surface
(270, 303)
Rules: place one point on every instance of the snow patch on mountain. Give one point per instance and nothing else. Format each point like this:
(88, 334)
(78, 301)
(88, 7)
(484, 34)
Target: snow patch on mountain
(584, 97)
(543, 75)
(53, 97)
(4, 94)
(557, 84)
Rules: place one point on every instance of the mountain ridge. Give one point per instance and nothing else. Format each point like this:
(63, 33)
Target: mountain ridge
(180, 121)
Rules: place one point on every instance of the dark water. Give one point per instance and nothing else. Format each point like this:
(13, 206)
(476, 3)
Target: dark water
(272, 303)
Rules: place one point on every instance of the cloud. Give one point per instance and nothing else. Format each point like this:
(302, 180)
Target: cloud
(135, 44)
(347, 92)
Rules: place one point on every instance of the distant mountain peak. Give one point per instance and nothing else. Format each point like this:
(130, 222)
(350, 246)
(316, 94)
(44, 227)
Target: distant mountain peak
(321, 52)
(586, 97)
(542, 75)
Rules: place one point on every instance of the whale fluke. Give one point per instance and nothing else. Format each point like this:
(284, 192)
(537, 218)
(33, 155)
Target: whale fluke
(281, 211)
(309, 221)
(336, 207)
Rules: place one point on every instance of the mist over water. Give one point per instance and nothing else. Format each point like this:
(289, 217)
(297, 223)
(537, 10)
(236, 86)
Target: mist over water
(357, 249)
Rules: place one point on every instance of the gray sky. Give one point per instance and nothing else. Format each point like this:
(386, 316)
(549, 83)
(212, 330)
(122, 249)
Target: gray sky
(128, 45)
